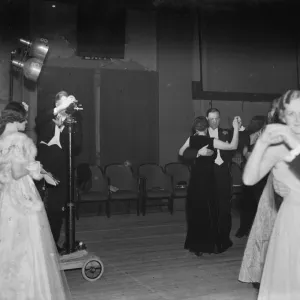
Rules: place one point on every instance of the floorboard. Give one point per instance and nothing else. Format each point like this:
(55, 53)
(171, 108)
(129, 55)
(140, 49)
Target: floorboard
(144, 259)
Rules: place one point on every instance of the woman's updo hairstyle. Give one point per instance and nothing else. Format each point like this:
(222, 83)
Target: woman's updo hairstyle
(285, 99)
(13, 112)
(199, 124)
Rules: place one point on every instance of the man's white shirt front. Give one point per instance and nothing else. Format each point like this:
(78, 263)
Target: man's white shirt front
(56, 138)
(214, 133)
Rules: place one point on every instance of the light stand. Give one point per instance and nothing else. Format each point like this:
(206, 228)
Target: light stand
(70, 243)
(70, 207)
(77, 255)
(11, 77)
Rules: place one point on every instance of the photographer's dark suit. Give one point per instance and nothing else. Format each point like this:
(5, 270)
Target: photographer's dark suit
(54, 160)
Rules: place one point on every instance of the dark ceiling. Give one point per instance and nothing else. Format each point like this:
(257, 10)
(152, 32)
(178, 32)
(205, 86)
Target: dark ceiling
(152, 4)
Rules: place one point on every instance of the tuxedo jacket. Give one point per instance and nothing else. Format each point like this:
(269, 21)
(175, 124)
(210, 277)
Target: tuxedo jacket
(45, 129)
(225, 135)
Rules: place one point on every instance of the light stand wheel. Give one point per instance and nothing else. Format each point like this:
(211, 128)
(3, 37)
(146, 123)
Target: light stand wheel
(93, 269)
(91, 266)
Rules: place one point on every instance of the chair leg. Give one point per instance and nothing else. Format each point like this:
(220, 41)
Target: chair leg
(171, 205)
(161, 205)
(108, 209)
(77, 210)
(128, 206)
(144, 205)
(99, 209)
(138, 206)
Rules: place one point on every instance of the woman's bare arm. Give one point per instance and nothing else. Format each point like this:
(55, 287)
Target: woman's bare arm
(184, 147)
(262, 159)
(218, 144)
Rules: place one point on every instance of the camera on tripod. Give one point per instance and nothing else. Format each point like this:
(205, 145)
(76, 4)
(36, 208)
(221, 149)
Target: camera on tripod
(73, 107)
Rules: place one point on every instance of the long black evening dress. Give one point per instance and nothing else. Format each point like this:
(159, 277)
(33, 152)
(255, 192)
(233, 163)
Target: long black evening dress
(201, 208)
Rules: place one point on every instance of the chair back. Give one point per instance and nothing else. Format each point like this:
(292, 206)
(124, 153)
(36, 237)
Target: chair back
(120, 176)
(155, 176)
(179, 172)
(236, 175)
(83, 176)
(98, 180)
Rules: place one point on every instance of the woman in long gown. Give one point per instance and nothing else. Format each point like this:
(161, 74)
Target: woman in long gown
(281, 273)
(201, 209)
(268, 205)
(257, 243)
(29, 261)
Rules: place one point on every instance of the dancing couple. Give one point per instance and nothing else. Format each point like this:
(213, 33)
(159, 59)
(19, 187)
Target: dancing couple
(208, 198)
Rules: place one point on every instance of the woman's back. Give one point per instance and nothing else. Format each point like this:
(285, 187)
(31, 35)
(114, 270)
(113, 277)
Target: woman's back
(199, 141)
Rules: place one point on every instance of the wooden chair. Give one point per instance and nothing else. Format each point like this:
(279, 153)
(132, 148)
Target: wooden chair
(127, 186)
(157, 185)
(94, 189)
(180, 174)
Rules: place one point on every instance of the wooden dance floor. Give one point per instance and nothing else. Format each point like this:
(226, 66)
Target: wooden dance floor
(144, 259)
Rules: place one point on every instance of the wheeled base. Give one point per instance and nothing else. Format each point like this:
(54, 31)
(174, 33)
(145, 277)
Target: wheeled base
(91, 266)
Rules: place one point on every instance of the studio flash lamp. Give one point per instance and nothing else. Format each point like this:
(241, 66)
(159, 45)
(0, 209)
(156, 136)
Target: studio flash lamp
(29, 59)
(31, 68)
(37, 51)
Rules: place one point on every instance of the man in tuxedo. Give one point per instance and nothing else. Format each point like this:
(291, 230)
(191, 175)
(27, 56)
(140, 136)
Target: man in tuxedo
(52, 145)
(222, 178)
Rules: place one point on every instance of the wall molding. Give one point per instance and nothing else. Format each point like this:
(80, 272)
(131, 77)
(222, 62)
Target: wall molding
(199, 94)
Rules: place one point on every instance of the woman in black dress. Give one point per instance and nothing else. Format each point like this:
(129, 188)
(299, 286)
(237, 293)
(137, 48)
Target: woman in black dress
(201, 208)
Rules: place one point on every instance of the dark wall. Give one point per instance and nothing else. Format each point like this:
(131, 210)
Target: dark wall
(174, 54)
(252, 50)
(129, 116)
(101, 28)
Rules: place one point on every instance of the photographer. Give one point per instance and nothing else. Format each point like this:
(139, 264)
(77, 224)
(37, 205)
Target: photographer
(52, 144)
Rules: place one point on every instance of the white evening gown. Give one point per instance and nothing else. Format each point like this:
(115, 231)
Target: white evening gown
(281, 274)
(29, 262)
(259, 237)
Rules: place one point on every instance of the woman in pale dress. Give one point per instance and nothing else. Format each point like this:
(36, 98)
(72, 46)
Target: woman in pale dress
(259, 237)
(281, 273)
(29, 262)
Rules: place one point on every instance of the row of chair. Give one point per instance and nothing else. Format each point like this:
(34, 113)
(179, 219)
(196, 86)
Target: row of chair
(118, 182)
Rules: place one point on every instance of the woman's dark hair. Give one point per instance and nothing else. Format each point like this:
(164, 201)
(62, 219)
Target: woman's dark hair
(13, 112)
(17, 107)
(199, 124)
(256, 123)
